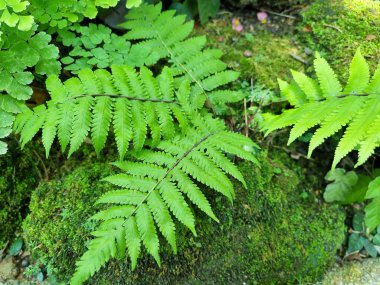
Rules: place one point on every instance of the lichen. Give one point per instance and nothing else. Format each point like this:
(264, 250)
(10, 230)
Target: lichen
(338, 27)
(269, 235)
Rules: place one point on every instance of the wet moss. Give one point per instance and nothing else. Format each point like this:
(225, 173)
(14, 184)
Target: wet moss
(270, 235)
(338, 27)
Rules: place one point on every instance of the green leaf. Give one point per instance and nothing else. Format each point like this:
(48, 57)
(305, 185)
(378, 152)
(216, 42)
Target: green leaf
(359, 74)
(370, 248)
(327, 78)
(25, 23)
(355, 243)
(372, 210)
(207, 9)
(16, 247)
(358, 222)
(342, 184)
(133, 3)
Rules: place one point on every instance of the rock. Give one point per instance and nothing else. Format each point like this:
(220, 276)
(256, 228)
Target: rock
(366, 272)
(8, 270)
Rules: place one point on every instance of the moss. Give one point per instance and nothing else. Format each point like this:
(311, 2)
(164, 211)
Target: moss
(18, 176)
(270, 57)
(338, 27)
(57, 223)
(270, 235)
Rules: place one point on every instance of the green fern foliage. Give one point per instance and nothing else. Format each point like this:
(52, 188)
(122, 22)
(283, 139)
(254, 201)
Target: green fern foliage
(156, 186)
(20, 52)
(61, 14)
(136, 105)
(93, 46)
(13, 14)
(328, 107)
(372, 210)
(164, 35)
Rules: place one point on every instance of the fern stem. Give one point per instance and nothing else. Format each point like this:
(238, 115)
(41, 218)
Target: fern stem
(175, 164)
(126, 97)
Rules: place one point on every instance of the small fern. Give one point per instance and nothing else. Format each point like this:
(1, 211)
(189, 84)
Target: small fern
(135, 104)
(326, 104)
(93, 46)
(166, 36)
(156, 185)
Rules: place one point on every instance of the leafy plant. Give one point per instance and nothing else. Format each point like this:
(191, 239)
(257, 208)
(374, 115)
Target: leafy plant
(327, 104)
(92, 46)
(346, 187)
(19, 52)
(13, 14)
(61, 13)
(154, 184)
(165, 36)
(362, 238)
(161, 125)
(192, 8)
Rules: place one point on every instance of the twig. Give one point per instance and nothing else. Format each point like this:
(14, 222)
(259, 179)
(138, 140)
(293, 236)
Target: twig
(245, 117)
(279, 14)
(43, 164)
(298, 58)
(333, 27)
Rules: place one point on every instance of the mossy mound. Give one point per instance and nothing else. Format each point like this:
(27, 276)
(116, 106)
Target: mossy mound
(18, 177)
(270, 235)
(259, 54)
(338, 27)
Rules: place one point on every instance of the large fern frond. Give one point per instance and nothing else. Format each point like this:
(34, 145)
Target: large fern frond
(167, 36)
(325, 106)
(136, 105)
(157, 186)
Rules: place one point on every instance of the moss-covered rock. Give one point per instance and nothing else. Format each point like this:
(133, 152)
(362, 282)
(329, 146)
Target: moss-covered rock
(258, 54)
(270, 235)
(18, 177)
(338, 27)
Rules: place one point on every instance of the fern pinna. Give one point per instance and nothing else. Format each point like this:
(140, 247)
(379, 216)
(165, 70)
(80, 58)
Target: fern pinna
(135, 104)
(330, 106)
(166, 36)
(155, 186)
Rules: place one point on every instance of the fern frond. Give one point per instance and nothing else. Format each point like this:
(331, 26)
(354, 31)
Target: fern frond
(167, 36)
(136, 105)
(329, 109)
(156, 186)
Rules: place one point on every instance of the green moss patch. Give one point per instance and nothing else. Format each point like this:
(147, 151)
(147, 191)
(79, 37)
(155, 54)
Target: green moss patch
(337, 28)
(18, 177)
(257, 54)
